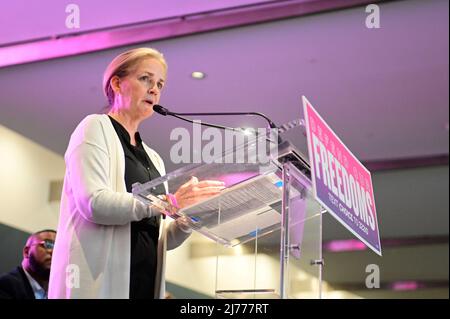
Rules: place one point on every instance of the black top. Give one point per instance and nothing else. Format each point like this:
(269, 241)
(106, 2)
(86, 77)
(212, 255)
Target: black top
(15, 285)
(144, 233)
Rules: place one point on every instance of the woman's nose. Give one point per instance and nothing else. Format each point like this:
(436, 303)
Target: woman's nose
(153, 88)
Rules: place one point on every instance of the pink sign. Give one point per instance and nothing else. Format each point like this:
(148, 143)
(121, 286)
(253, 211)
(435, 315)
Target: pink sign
(341, 183)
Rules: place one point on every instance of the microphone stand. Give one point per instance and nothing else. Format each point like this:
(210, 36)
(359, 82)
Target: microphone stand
(271, 124)
(163, 111)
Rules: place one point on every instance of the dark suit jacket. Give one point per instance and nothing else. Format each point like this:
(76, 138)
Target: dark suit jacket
(15, 285)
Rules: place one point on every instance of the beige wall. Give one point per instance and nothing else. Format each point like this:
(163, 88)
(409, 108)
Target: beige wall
(26, 171)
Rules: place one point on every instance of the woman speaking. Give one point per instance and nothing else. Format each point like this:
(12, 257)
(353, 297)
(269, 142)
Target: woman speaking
(108, 244)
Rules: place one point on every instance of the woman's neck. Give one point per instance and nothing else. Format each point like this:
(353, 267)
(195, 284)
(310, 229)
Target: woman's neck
(128, 122)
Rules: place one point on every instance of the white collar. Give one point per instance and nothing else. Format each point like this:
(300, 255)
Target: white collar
(39, 292)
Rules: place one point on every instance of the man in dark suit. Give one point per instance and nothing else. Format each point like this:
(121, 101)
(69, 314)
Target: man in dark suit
(30, 280)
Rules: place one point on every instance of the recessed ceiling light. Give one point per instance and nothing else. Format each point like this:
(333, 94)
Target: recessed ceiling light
(198, 75)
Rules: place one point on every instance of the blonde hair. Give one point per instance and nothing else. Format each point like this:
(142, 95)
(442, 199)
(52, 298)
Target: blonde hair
(122, 64)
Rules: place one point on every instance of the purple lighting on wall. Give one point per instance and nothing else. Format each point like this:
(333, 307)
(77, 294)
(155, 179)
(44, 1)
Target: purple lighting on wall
(344, 245)
(100, 37)
(405, 285)
(356, 245)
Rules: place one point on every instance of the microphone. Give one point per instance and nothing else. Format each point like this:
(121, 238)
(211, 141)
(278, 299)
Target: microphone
(288, 153)
(163, 111)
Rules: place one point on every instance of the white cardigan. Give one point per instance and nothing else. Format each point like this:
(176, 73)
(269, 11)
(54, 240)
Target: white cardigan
(91, 258)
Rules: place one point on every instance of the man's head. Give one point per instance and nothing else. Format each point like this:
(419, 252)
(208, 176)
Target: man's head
(37, 253)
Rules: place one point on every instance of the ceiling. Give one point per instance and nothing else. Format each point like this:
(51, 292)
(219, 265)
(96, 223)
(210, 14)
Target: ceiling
(383, 91)
(47, 18)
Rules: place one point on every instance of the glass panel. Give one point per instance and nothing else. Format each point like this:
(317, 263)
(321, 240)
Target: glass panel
(305, 242)
(254, 269)
(250, 202)
(245, 219)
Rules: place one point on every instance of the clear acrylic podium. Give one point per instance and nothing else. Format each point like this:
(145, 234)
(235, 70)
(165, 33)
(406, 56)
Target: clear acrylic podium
(266, 222)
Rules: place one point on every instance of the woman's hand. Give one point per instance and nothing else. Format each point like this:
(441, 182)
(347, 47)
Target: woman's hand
(183, 224)
(194, 191)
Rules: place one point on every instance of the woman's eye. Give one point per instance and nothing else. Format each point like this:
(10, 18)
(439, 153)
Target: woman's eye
(160, 86)
(145, 78)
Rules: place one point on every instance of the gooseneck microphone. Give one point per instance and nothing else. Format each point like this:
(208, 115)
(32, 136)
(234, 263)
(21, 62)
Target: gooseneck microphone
(163, 111)
(287, 152)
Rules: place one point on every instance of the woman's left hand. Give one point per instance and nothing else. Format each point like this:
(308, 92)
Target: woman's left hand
(194, 191)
